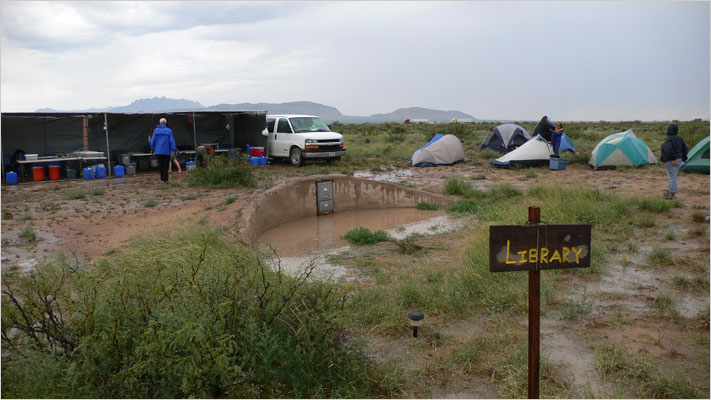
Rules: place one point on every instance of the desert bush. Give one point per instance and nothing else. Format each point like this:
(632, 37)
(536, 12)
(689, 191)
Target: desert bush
(365, 236)
(76, 194)
(457, 186)
(223, 172)
(187, 315)
(428, 206)
(489, 154)
(28, 234)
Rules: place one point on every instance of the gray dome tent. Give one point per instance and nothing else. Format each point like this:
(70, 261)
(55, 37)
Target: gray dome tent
(505, 138)
(441, 150)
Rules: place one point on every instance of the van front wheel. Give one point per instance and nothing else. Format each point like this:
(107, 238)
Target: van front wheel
(296, 157)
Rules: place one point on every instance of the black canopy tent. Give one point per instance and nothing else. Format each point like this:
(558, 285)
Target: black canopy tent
(114, 133)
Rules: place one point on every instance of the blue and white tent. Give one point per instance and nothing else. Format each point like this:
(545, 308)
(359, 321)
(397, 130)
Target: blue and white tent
(441, 150)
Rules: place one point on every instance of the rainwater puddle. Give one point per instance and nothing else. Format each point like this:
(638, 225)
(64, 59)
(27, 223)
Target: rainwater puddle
(392, 177)
(319, 234)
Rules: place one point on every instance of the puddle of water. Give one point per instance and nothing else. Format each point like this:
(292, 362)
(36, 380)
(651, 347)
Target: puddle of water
(391, 177)
(296, 266)
(577, 363)
(318, 234)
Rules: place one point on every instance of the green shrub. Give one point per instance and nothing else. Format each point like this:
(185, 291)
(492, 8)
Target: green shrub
(190, 196)
(98, 192)
(489, 154)
(462, 206)
(27, 215)
(223, 172)
(230, 199)
(655, 204)
(76, 194)
(150, 203)
(409, 245)
(428, 206)
(457, 186)
(698, 216)
(661, 256)
(28, 234)
(181, 316)
(365, 236)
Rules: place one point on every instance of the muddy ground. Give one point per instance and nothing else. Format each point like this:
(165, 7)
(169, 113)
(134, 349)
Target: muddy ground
(117, 211)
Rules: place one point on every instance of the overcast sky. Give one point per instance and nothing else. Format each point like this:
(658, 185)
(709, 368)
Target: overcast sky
(569, 60)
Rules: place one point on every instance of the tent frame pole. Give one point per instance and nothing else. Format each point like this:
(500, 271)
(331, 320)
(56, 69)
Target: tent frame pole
(108, 149)
(194, 134)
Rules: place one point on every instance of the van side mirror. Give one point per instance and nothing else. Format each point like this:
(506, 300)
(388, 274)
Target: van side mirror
(265, 132)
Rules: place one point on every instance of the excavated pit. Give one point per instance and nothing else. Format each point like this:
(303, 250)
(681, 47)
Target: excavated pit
(297, 200)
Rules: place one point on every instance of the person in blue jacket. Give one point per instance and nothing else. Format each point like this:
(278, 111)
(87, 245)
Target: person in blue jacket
(163, 145)
(674, 152)
(555, 137)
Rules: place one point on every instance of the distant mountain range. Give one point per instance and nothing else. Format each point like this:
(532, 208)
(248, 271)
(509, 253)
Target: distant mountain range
(327, 113)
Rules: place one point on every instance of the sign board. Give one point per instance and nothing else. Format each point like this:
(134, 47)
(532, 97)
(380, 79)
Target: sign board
(538, 247)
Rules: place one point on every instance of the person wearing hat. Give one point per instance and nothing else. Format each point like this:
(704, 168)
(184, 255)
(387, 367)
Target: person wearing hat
(674, 152)
(163, 145)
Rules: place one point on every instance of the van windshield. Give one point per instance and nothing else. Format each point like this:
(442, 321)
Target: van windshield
(308, 124)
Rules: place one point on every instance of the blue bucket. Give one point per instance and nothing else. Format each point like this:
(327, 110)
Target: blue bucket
(262, 161)
(119, 171)
(88, 173)
(11, 178)
(100, 173)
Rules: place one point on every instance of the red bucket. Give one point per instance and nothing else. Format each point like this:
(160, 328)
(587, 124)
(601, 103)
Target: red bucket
(256, 151)
(54, 172)
(38, 173)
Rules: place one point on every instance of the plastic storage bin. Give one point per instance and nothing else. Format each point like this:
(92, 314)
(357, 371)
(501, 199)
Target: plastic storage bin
(558, 163)
(71, 173)
(38, 173)
(256, 151)
(119, 171)
(100, 173)
(11, 178)
(131, 169)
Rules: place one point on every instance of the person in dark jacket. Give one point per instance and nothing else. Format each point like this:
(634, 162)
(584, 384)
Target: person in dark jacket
(163, 145)
(674, 152)
(556, 135)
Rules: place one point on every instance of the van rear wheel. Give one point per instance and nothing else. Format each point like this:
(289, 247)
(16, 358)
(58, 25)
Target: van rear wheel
(295, 156)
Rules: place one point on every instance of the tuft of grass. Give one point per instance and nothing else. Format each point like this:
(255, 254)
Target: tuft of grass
(660, 256)
(409, 245)
(150, 203)
(478, 177)
(655, 204)
(462, 206)
(576, 309)
(698, 217)
(489, 154)
(665, 301)
(531, 174)
(223, 172)
(190, 196)
(428, 206)
(76, 194)
(645, 222)
(230, 199)
(363, 236)
(28, 234)
(457, 186)
(26, 216)
(670, 236)
(98, 192)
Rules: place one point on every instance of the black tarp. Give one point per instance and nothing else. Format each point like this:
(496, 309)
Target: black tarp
(54, 133)
(543, 128)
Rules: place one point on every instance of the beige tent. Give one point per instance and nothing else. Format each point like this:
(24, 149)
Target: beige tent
(441, 150)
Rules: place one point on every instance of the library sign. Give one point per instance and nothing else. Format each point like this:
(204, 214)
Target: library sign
(535, 247)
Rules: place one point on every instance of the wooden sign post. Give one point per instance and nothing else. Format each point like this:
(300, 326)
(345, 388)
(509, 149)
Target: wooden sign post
(532, 248)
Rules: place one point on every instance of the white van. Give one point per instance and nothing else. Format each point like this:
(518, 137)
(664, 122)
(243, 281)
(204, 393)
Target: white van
(298, 137)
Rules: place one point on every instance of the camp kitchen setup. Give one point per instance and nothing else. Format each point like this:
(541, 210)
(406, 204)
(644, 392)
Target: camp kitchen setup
(52, 146)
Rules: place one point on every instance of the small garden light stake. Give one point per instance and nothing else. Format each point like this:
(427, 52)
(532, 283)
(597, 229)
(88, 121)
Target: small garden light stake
(416, 318)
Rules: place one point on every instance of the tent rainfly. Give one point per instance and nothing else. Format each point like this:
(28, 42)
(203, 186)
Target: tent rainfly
(623, 148)
(505, 138)
(565, 144)
(441, 150)
(698, 158)
(536, 151)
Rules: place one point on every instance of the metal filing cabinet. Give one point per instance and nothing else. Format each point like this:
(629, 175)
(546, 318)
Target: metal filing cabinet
(324, 197)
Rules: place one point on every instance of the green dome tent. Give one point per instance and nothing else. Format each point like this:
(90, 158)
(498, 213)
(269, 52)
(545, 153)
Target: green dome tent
(622, 148)
(698, 158)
